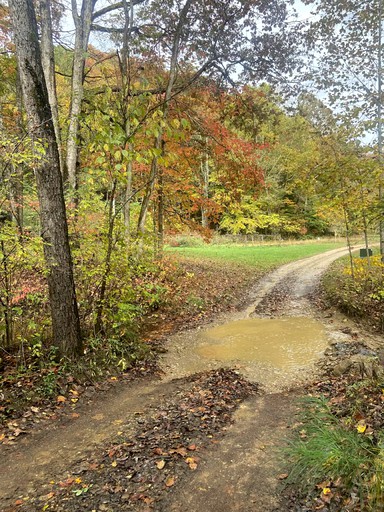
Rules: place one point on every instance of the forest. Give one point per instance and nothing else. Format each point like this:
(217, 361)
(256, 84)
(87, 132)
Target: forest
(125, 125)
(136, 133)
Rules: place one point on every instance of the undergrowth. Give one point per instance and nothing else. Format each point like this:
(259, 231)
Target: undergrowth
(359, 294)
(336, 458)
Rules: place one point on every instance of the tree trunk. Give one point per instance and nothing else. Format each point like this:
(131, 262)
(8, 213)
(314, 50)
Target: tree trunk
(150, 187)
(99, 327)
(205, 178)
(125, 74)
(347, 232)
(128, 198)
(82, 30)
(167, 99)
(48, 61)
(160, 215)
(54, 230)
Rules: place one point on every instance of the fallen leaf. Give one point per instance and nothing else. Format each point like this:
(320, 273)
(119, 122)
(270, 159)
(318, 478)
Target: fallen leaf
(325, 483)
(170, 481)
(160, 464)
(326, 491)
(282, 476)
(75, 415)
(47, 496)
(361, 427)
(67, 482)
(19, 502)
(180, 451)
(114, 464)
(61, 398)
(192, 447)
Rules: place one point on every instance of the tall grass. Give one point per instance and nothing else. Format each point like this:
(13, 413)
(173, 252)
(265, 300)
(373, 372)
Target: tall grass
(325, 450)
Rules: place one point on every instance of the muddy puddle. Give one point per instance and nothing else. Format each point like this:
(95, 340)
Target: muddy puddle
(283, 342)
(273, 351)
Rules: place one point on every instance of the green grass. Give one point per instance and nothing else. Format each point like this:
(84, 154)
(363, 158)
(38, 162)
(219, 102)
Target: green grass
(260, 256)
(325, 450)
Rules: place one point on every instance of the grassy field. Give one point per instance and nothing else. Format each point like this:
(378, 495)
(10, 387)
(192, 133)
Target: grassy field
(261, 256)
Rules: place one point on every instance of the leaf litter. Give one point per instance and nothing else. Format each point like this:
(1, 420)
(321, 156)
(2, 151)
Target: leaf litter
(137, 472)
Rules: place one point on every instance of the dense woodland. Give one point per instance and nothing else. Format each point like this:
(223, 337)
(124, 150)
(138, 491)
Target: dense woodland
(124, 124)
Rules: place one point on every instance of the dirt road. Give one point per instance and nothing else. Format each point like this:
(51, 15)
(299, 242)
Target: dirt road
(238, 474)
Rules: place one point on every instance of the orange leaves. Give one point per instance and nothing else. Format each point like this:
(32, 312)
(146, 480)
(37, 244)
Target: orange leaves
(170, 481)
(192, 462)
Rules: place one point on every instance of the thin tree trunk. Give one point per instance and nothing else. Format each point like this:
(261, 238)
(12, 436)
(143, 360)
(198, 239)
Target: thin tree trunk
(54, 229)
(99, 328)
(365, 228)
(380, 123)
(167, 99)
(346, 220)
(8, 320)
(82, 31)
(48, 61)
(126, 81)
(160, 215)
(150, 187)
(205, 177)
(128, 197)
(16, 179)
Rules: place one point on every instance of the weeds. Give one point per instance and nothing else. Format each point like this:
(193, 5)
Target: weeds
(334, 464)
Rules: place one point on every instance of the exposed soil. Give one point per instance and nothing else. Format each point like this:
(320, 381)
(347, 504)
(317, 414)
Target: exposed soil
(204, 441)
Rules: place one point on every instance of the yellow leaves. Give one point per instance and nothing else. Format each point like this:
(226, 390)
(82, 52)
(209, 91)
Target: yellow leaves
(326, 490)
(160, 464)
(191, 461)
(114, 464)
(361, 426)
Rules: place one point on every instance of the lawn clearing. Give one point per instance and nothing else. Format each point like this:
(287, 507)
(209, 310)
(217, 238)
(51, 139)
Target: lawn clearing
(260, 256)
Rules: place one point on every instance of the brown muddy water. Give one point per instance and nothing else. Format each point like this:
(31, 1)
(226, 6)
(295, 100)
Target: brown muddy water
(283, 342)
(276, 352)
